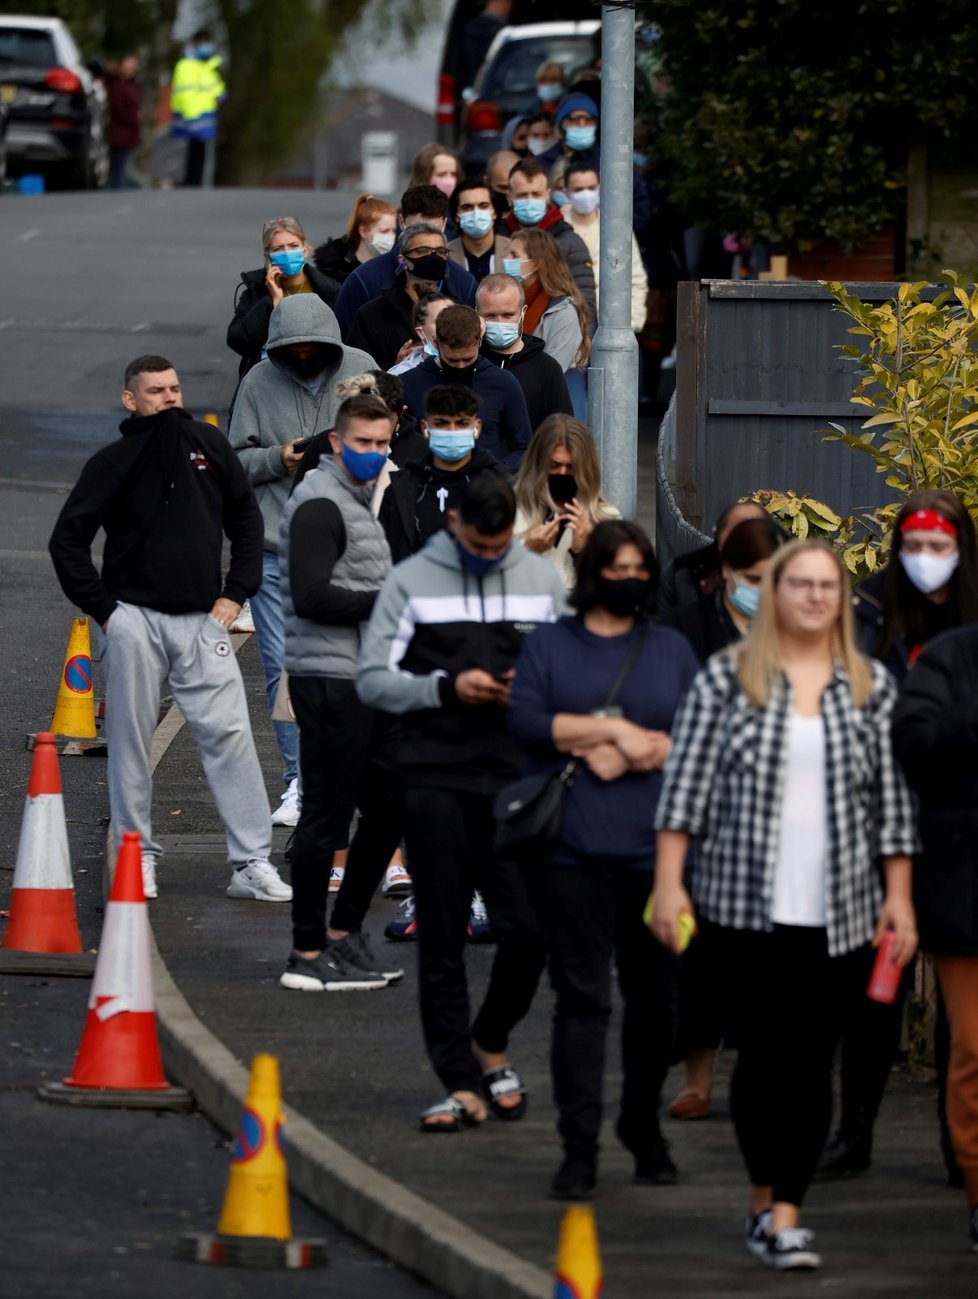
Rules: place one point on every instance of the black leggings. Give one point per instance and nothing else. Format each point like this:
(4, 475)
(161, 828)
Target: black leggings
(786, 1001)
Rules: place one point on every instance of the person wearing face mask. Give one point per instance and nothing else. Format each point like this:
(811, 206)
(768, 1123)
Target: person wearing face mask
(501, 303)
(540, 134)
(439, 653)
(929, 586)
(196, 92)
(583, 189)
(515, 134)
(421, 204)
(500, 164)
(550, 83)
(438, 166)
(384, 326)
(287, 398)
(533, 209)
(478, 247)
(286, 272)
(558, 494)
(407, 442)
(371, 231)
(506, 428)
(334, 559)
(590, 891)
(423, 317)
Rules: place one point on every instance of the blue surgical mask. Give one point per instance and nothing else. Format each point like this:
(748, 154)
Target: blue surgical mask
(479, 565)
(529, 211)
(580, 137)
(477, 223)
(745, 599)
(511, 266)
(429, 348)
(203, 51)
(452, 445)
(560, 198)
(549, 91)
(289, 261)
(502, 333)
(364, 466)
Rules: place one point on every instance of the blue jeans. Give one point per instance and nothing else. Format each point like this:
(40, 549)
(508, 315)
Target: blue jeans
(577, 389)
(266, 609)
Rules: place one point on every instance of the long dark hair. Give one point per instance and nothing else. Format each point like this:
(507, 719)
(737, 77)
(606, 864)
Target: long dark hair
(599, 552)
(903, 605)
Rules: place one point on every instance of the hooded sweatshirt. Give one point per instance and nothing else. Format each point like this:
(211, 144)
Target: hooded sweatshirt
(273, 405)
(540, 377)
(166, 494)
(433, 620)
(506, 429)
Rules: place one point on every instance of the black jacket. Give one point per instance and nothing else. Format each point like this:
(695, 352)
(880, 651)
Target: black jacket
(705, 623)
(335, 259)
(935, 736)
(540, 377)
(398, 510)
(248, 331)
(868, 611)
(506, 430)
(383, 326)
(166, 494)
(408, 443)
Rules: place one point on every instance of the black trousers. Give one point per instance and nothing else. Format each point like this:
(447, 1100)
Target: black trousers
(347, 754)
(786, 1000)
(590, 909)
(449, 841)
(196, 158)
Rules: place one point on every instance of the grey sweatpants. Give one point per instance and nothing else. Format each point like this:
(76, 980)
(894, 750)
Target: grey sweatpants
(142, 650)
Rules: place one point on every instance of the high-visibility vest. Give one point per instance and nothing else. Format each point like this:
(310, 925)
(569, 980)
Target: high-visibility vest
(195, 93)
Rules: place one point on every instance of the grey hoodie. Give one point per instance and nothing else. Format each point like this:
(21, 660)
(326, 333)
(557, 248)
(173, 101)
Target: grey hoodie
(273, 406)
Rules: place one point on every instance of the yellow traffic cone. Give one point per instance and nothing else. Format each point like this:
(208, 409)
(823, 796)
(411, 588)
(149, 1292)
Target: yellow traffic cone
(74, 714)
(578, 1271)
(255, 1228)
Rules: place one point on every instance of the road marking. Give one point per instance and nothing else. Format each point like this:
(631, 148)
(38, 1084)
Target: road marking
(28, 234)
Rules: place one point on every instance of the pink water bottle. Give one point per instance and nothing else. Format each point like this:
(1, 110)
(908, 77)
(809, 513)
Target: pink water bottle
(884, 982)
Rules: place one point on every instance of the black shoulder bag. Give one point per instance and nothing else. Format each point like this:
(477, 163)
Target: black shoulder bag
(528, 810)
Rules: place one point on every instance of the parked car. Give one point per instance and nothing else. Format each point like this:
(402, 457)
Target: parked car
(56, 104)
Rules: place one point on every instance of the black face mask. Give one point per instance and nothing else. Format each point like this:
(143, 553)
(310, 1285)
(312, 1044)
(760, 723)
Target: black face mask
(307, 367)
(431, 268)
(623, 596)
(562, 488)
(458, 374)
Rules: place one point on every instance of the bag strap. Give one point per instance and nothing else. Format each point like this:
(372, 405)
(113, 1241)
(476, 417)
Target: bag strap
(637, 646)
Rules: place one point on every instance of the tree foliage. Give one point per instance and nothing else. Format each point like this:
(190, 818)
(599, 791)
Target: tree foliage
(789, 121)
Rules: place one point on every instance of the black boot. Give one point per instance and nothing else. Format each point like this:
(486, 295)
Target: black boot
(653, 1165)
(576, 1177)
(846, 1154)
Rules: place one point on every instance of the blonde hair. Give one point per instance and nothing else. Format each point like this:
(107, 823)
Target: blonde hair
(759, 663)
(365, 212)
(533, 497)
(357, 385)
(291, 225)
(424, 164)
(556, 280)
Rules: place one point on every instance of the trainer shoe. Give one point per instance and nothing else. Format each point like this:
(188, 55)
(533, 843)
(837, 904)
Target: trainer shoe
(791, 1248)
(327, 972)
(396, 879)
(244, 620)
(260, 881)
(758, 1232)
(404, 927)
(149, 875)
(367, 958)
(479, 930)
(336, 874)
(287, 813)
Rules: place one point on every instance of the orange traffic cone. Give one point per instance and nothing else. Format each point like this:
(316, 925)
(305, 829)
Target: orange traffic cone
(73, 722)
(42, 902)
(118, 1061)
(255, 1228)
(578, 1271)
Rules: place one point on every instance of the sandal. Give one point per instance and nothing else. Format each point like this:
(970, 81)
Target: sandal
(461, 1118)
(497, 1085)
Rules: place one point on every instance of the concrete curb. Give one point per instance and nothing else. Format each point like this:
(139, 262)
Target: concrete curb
(408, 1229)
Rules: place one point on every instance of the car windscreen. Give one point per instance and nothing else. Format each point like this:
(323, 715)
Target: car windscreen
(514, 69)
(27, 47)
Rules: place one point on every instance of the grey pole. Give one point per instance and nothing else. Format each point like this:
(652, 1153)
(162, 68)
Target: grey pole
(613, 371)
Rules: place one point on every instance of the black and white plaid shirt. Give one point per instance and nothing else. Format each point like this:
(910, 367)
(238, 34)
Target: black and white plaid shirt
(724, 781)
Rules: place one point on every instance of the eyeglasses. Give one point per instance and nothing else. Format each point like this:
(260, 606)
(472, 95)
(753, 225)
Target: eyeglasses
(426, 252)
(579, 119)
(808, 586)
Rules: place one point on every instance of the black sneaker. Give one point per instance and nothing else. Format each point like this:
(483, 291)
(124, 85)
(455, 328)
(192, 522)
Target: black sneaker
(654, 1167)
(973, 1230)
(328, 972)
(575, 1179)
(791, 1248)
(843, 1156)
(758, 1232)
(355, 949)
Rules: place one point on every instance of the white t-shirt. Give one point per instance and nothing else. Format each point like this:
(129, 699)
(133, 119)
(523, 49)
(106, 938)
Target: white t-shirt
(800, 873)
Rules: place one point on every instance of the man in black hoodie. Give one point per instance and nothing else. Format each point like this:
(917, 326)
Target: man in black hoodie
(501, 303)
(166, 495)
(419, 497)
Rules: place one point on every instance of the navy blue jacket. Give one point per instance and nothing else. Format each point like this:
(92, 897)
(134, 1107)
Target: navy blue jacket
(506, 430)
(564, 668)
(375, 277)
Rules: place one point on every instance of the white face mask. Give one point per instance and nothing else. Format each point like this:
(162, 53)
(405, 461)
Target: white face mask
(382, 243)
(584, 201)
(537, 146)
(929, 572)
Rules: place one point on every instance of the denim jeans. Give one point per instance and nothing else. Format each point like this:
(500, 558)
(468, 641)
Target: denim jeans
(266, 609)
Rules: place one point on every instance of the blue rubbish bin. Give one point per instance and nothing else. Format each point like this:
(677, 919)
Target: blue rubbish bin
(30, 184)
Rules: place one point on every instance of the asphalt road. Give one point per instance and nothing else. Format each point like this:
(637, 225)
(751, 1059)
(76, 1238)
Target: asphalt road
(91, 1203)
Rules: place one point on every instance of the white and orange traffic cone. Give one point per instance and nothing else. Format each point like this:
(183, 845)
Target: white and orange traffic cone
(43, 923)
(118, 1062)
(73, 722)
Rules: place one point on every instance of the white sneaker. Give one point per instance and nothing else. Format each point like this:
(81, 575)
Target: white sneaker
(260, 881)
(287, 813)
(149, 876)
(244, 620)
(336, 874)
(396, 880)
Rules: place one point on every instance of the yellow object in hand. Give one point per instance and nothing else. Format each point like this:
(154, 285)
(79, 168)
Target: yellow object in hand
(687, 924)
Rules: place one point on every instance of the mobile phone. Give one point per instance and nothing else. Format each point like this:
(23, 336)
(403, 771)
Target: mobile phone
(303, 444)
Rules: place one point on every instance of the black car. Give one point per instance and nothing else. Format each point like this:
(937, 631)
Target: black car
(55, 102)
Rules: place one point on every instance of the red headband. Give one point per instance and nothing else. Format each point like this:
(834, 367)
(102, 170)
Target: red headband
(928, 521)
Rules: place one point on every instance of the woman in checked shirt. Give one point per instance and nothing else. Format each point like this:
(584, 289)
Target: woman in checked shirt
(781, 765)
